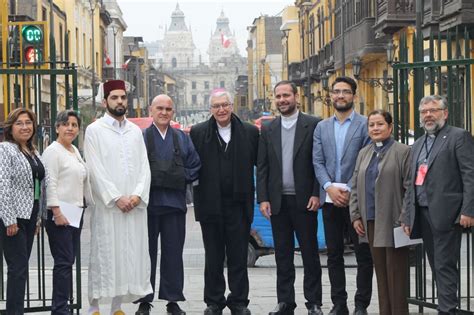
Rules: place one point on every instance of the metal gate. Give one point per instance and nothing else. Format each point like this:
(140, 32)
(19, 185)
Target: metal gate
(444, 69)
(39, 90)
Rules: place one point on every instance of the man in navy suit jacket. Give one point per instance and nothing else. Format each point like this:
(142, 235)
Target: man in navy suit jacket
(337, 142)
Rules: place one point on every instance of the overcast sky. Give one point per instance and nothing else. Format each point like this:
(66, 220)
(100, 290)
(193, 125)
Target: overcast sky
(148, 18)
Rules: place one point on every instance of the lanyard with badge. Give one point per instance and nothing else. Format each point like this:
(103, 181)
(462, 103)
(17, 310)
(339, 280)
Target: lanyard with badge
(35, 175)
(423, 167)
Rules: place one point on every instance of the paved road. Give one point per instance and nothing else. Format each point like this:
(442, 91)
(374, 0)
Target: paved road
(262, 278)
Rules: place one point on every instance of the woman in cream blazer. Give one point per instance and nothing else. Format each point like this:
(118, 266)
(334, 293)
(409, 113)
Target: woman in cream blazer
(68, 184)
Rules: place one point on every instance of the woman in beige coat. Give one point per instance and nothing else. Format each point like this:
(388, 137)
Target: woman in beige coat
(378, 185)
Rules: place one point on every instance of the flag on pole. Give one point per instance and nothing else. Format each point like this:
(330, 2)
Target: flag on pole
(125, 65)
(225, 41)
(108, 62)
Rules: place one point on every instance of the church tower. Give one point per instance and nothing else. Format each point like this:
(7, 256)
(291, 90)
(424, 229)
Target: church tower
(178, 45)
(222, 43)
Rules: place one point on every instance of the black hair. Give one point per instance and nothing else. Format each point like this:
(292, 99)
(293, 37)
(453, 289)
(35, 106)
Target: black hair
(287, 82)
(64, 115)
(347, 80)
(386, 115)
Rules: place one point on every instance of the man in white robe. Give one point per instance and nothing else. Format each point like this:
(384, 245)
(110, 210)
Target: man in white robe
(116, 157)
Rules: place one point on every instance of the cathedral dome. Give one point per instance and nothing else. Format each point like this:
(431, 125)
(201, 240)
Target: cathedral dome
(177, 12)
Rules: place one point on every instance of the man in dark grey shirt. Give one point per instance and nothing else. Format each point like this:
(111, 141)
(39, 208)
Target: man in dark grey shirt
(288, 193)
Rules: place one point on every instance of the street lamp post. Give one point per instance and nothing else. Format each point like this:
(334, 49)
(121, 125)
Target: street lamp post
(131, 46)
(286, 33)
(343, 53)
(262, 61)
(306, 54)
(93, 4)
(115, 31)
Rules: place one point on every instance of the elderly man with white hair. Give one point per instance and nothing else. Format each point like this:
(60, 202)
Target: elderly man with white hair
(224, 201)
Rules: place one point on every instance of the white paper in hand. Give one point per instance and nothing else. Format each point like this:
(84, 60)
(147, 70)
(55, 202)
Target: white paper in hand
(401, 239)
(72, 213)
(339, 185)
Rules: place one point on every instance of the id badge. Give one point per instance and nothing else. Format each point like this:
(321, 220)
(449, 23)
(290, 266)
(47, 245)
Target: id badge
(421, 174)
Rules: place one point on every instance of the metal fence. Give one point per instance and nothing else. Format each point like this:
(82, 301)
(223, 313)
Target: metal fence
(39, 280)
(28, 88)
(446, 70)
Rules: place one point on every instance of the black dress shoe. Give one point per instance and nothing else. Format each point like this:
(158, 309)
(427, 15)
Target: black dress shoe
(360, 311)
(144, 308)
(315, 310)
(173, 308)
(339, 310)
(239, 310)
(213, 310)
(283, 309)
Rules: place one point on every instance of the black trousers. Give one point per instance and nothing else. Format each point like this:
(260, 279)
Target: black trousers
(171, 227)
(64, 244)
(336, 222)
(284, 226)
(228, 236)
(17, 250)
(442, 248)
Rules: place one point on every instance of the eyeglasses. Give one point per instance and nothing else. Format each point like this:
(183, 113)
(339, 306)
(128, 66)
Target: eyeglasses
(21, 124)
(222, 105)
(430, 110)
(343, 92)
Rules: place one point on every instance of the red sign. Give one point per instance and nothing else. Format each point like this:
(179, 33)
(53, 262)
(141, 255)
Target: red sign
(32, 55)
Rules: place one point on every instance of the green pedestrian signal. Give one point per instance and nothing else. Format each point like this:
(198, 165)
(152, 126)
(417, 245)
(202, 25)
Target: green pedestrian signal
(32, 34)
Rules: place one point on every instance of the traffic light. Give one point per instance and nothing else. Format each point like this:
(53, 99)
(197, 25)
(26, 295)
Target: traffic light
(33, 43)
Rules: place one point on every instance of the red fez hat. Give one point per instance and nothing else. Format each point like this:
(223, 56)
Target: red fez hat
(114, 85)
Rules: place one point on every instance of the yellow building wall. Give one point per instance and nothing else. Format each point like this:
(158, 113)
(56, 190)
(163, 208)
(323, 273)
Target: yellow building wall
(292, 45)
(79, 26)
(260, 53)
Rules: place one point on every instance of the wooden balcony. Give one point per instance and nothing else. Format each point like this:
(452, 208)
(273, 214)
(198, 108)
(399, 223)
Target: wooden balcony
(314, 71)
(359, 40)
(294, 73)
(393, 15)
(456, 13)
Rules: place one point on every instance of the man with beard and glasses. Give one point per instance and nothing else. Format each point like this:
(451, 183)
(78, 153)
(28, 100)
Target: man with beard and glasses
(116, 156)
(288, 193)
(440, 199)
(337, 142)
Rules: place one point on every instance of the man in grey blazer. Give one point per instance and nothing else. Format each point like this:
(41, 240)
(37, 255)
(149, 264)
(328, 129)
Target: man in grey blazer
(440, 199)
(288, 193)
(337, 142)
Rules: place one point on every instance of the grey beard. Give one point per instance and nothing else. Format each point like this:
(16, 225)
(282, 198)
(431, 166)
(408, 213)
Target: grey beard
(436, 128)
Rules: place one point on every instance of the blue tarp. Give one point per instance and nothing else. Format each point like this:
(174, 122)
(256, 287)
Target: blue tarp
(262, 226)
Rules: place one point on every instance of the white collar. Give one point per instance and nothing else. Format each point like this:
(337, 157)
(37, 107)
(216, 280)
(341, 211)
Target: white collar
(163, 134)
(225, 132)
(289, 121)
(109, 120)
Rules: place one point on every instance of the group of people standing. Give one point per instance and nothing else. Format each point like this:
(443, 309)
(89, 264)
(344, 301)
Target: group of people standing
(134, 185)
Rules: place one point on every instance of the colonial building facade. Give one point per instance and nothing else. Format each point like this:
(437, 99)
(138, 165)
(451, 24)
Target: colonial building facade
(195, 79)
